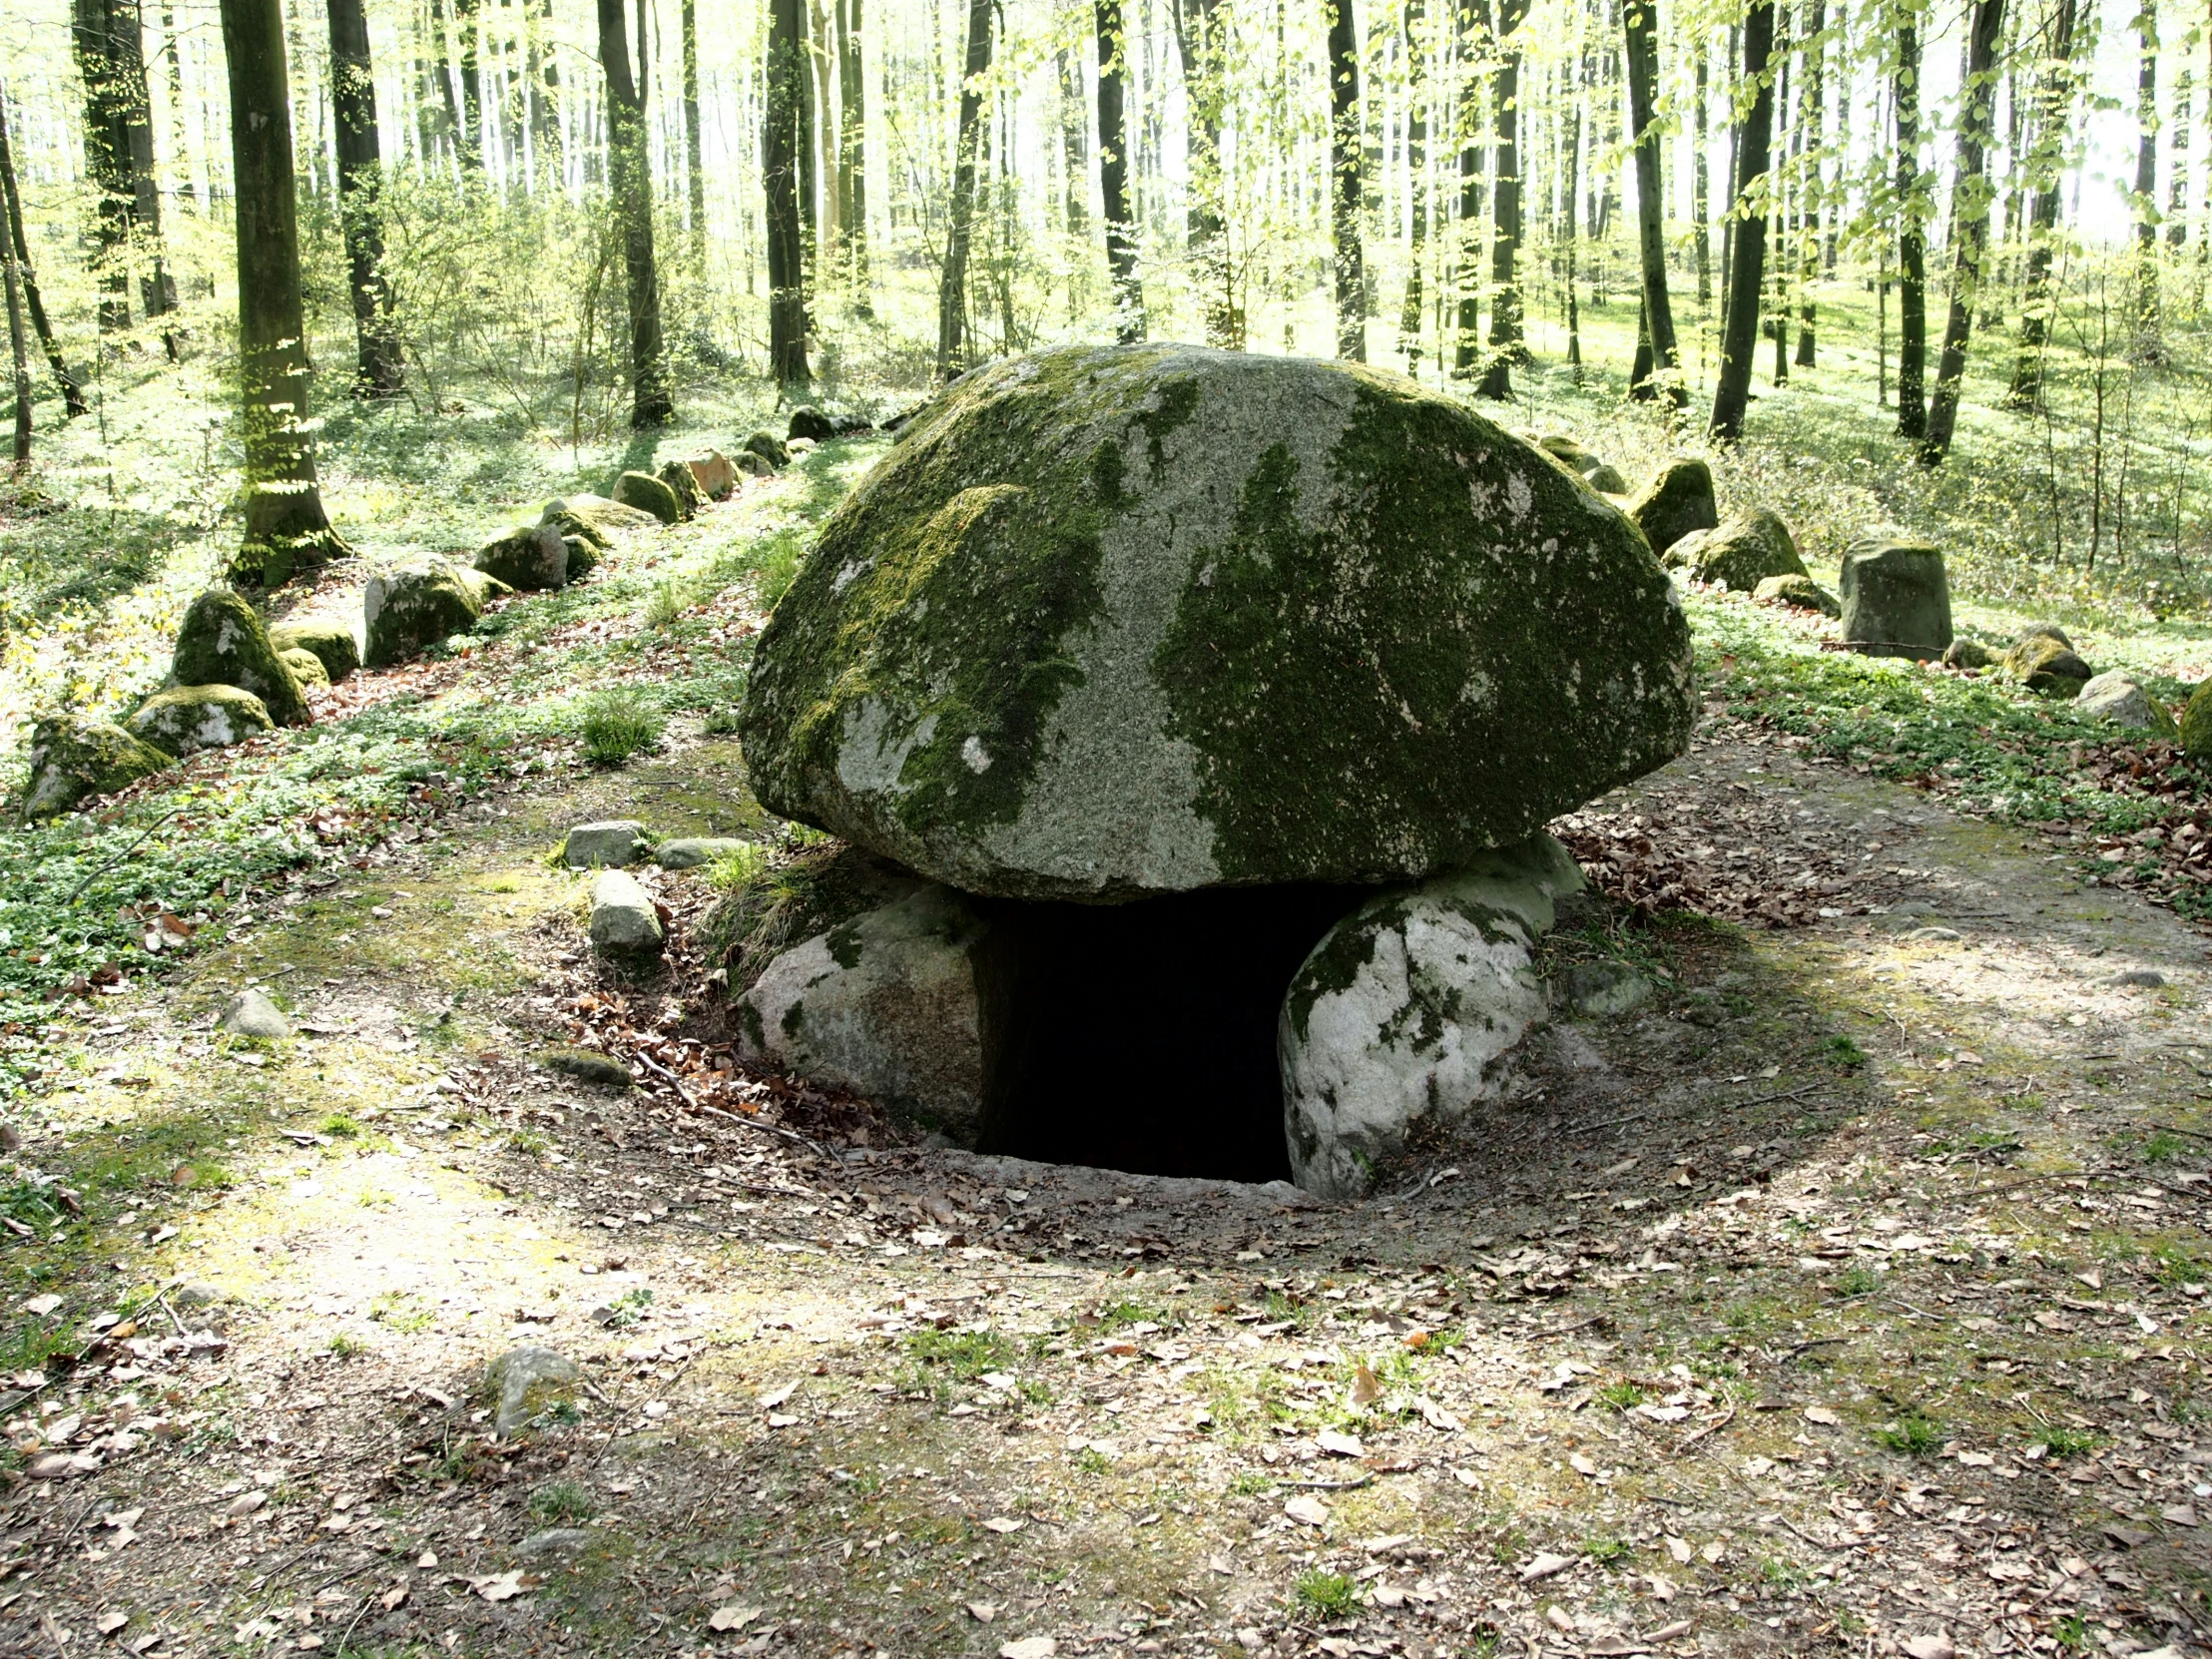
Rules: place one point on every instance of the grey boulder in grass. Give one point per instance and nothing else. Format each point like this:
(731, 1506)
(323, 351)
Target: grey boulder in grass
(74, 756)
(2120, 698)
(1743, 552)
(223, 641)
(1120, 621)
(331, 639)
(183, 720)
(1897, 599)
(1678, 501)
(530, 556)
(412, 607)
(648, 494)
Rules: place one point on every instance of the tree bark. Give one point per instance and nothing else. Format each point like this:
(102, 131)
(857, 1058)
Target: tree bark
(1345, 172)
(1572, 218)
(285, 525)
(1640, 27)
(1912, 239)
(1416, 165)
(379, 372)
(2054, 113)
(1969, 194)
(1198, 43)
(1113, 174)
(1506, 212)
(781, 133)
(695, 171)
(1701, 201)
(19, 357)
(1468, 349)
(1748, 258)
(467, 24)
(852, 143)
(1810, 201)
(1075, 149)
(2147, 181)
(73, 395)
(119, 154)
(630, 174)
(953, 281)
(2177, 164)
(449, 102)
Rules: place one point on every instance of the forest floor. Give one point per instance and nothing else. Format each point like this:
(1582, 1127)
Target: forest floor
(1847, 1295)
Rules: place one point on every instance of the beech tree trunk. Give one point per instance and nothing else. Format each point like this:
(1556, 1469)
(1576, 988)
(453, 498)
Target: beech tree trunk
(286, 526)
(1345, 172)
(119, 154)
(1747, 239)
(2146, 181)
(1113, 174)
(1640, 26)
(73, 395)
(1969, 194)
(1467, 353)
(1506, 212)
(1075, 147)
(695, 171)
(361, 187)
(19, 358)
(1416, 165)
(853, 145)
(468, 26)
(2053, 114)
(783, 133)
(630, 174)
(1911, 240)
(1701, 201)
(953, 281)
(1809, 200)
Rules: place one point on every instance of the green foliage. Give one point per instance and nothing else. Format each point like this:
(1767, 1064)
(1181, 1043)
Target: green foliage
(959, 1355)
(1841, 1052)
(2063, 1440)
(1857, 1281)
(627, 1308)
(1326, 1594)
(341, 1127)
(617, 723)
(563, 1502)
(1912, 1436)
(738, 868)
(1606, 1551)
(1623, 1395)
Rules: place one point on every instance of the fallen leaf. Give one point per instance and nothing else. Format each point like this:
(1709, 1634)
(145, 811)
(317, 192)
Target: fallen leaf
(41, 1305)
(1679, 1548)
(1929, 1647)
(1366, 1388)
(1309, 1509)
(776, 1396)
(1582, 1465)
(1713, 1552)
(1004, 1523)
(1823, 1415)
(1339, 1444)
(2181, 1514)
(108, 1623)
(1029, 1647)
(246, 1503)
(1668, 1632)
(732, 1618)
(1438, 1417)
(498, 1586)
(1546, 1565)
(394, 1598)
(982, 1612)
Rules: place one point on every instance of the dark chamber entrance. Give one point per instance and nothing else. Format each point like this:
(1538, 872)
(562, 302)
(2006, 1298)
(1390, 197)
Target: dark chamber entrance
(1141, 1037)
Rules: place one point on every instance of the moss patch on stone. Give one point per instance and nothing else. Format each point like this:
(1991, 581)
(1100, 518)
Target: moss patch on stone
(330, 638)
(223, 641)
(73, 757)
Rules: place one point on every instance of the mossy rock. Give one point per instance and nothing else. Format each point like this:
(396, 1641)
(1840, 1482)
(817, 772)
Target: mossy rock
(648, 494)
(1896, 597)
(223, 641)
(2044, 663)
(594, 518)
(306, 668)
(1606, 479)
(183, 720)
(1800, 593)
(2044, 630)
(683, 483)
(1966, 653)
(2120, 698)
(74, 757)
(583, 557)
(1741, 552)
(754, 466)
(818, 890)
(770, 449)
(529, 557)
(410, 608)
(810, 422)
(1678, 501)
(330, 638)
(1142, 619)
(2196, 724)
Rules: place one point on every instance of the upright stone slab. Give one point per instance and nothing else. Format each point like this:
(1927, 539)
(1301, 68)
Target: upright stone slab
(1120, 621)
(1678, 501)
(648, 494)
(223, 641)
(1406, 1010)
(408, 609)
(530, 556)
(1897, 599)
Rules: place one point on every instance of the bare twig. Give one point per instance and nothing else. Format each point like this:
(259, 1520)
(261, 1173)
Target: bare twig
(1797, 1349)
(119, 857)
(2176, 1129)
(1327, 1486)
(1710, 1429)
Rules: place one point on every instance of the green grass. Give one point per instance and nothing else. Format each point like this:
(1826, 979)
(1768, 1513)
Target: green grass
(1606, 1551)
(617, 723)
(340, 1126)
(1328, 1595)
(958, 1356)
(737, 869)
(1857, 1281)
(2064, 1442)
(1912, 1436)
(1623, 1395)
(563, 1502)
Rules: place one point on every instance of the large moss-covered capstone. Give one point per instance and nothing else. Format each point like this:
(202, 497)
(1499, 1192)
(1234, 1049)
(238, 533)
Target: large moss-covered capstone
(530, 556)
(595, 519)
(1128, 619)
(648, 494)
(223, 641)
(410, 608)
(331, 637)
(73, 757)
(183, 720)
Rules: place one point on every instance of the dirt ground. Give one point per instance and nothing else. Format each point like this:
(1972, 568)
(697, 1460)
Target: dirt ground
(1845, 1295)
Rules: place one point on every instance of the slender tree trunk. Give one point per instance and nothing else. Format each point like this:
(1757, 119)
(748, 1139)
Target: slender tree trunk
(113, 107)
(2147, 181)
(695, 170)
(1197, 40)
(19, 356)
(455, 133)
(1416, 166)
(1969, 194)
(1810, 202)
(1505, 212)
(1345, 171)
(1113, 174)
(783, 131)
(360, 191)
(172, 61)
(852, 113)
(468, 26)
(2177, 164)
(1778, 237)
(285, 525)
(1640, 25)
(953, 281)
(1735, 149)
(1468, 349)
(1912, 239)
(630, 174)
(73, 395)
(1075, 147)
(1748, 261)
(2053, 113)
(1571, 225)
(821, 151)
(1700, 199)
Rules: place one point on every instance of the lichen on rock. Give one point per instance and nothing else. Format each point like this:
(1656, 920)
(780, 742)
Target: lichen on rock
(74, 756)
(413, 606)
(530, 556)
(331, 637)
(1128, 619)
(222, 641)
(1746, 549)
(183, 720)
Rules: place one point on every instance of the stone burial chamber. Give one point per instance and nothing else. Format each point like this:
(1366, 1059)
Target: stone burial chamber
(1196, 717)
